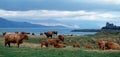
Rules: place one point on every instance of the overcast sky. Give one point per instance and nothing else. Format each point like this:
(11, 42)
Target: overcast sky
(69, 13)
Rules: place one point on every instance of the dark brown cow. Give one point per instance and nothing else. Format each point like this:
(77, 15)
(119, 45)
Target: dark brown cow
(15, 38)
(24, 32)
(76, 45)
(41, 33)
(49, 34)
(33, 33)
(55, 32)
(61, 37)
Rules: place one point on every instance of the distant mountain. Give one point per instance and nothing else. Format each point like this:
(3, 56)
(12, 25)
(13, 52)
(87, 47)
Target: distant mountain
(4, 23)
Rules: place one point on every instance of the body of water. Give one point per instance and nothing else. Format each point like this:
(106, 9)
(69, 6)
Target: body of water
(41, 30)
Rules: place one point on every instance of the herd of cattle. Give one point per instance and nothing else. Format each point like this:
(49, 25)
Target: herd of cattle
(56, 43)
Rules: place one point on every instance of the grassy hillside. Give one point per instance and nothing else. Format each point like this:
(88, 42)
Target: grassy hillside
(31, 47)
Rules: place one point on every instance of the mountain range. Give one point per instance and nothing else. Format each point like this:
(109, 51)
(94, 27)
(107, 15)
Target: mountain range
(4, 23)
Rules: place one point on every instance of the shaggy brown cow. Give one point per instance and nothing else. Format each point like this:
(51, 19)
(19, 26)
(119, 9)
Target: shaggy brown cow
(44, 42)
(15, 38)
(76, 45)
(57, 45)
(101, 45)
(49, 42)
(61, 37)
(89, 46)
(112, 45)
(48, 34)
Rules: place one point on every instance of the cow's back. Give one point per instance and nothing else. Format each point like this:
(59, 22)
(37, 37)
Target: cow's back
(12, 37)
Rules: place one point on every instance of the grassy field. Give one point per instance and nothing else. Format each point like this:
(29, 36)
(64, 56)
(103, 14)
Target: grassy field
(31, 47)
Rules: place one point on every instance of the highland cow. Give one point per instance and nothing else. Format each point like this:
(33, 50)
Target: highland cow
(76, 45)
(112, 45)
(15, 38)
(49, 42)
(57, 45)
(89, 46)
(61, 37)
(101, 45)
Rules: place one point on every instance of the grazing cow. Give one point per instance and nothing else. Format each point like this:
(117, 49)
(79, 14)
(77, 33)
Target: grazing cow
(41, 33)
(89, 46)
(55, 32)
(49, 42)
(48, 34)
(76, 45)
(33, 33)
(101, 45)
(25, 32)
(61, 37)
(15, 38)
(57, 45)
(112, 45)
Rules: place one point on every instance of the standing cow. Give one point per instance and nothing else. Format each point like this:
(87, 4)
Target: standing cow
(50, 34)
(55, 32)
(15, 38)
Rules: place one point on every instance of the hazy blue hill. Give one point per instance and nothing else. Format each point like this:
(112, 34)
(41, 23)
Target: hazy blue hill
(12, 24)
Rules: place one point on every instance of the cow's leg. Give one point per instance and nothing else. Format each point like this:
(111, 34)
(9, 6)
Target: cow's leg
(63, 40)
(46, 45)
(18, 44)
(47, 36)
(41, 45)
(9, 44)
(51, 36)
(104, 48)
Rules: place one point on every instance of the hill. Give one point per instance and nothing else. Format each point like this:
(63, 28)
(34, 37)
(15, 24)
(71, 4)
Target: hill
(4, 23)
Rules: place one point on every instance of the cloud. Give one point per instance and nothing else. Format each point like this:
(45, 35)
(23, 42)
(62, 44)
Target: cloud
(70, 19)
(58, 15)
(89, 5)
(117, 2)
(59, 24)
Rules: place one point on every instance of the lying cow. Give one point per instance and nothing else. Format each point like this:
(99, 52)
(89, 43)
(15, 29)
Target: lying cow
(49, 42)
(59, 45)
(76, 45)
